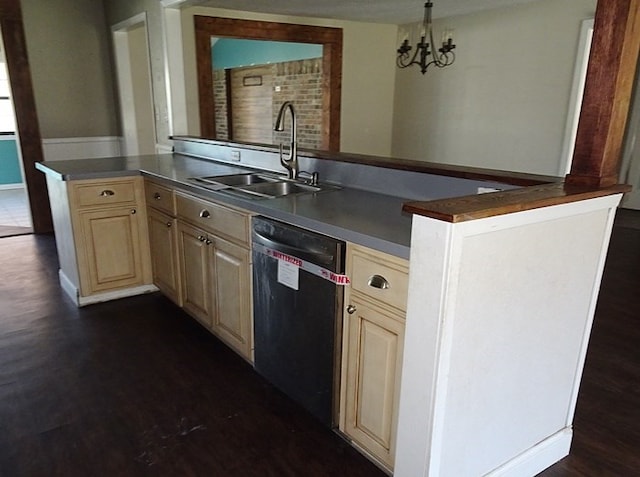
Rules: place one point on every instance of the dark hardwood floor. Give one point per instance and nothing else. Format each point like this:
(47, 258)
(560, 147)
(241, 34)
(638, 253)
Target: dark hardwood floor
(136, 388)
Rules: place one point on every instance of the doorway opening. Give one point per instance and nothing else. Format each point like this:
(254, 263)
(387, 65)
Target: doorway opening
(15, 214)
(133, 65)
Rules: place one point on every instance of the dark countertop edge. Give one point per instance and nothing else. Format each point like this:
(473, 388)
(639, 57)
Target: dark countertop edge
(480, 206)
(449, 170)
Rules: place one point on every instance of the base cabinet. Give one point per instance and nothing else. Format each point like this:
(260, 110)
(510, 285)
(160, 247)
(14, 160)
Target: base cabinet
(373, 339)
(101, 236)
(163, 244)
(232, 295)
(194, 257)
(215, 266)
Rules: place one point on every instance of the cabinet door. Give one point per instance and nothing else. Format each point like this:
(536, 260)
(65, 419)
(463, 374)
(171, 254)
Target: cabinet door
(374, 344)
(163, 242)
(193, 248)
(232, 319)
(111, 249)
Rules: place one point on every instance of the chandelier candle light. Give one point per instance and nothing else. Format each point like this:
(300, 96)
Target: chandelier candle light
(441, 58)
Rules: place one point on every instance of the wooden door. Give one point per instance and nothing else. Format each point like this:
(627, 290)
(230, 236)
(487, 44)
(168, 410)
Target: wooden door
(111, 242)
(232, 319)
(194, 260)
(375, 340)
(163, 242)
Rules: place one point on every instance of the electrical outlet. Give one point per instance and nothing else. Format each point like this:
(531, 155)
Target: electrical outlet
(235, 155)
(487, 190)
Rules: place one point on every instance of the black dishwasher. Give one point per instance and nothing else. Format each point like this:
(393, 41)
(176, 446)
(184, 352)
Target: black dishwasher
(297, 302)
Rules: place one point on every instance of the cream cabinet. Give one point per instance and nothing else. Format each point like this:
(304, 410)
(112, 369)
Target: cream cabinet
(373, 338)
(101, 235)
(215, 265)
(163, 239)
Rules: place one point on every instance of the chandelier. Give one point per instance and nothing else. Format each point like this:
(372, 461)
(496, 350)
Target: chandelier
(444, 56)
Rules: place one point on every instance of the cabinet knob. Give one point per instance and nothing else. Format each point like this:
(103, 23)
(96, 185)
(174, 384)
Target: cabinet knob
(133, 211)
(156, 196)
(208, 242)
(168, 224)
(202, 238)
(204, 214)
(378, 281)
(351, 309)
(107, 193)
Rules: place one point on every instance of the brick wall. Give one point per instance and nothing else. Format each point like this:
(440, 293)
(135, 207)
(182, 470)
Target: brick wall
(297, 81)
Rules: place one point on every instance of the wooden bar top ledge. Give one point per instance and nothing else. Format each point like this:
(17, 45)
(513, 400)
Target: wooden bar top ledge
(480, 206)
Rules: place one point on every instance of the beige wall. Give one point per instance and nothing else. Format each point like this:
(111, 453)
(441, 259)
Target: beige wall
(368, 76)
(67, 44)
(504, 103)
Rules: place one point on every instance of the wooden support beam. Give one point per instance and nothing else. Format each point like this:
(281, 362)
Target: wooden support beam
(607, 96)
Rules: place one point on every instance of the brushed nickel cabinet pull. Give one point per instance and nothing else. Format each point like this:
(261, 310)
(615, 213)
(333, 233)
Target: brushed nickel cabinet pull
(107, 193)
(156, 196)
(351, 309)
(204, 214)
(201, 238)
(378, 281)
(168, 224)
(133, 211)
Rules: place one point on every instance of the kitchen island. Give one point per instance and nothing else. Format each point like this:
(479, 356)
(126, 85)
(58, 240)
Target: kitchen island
(501, 293)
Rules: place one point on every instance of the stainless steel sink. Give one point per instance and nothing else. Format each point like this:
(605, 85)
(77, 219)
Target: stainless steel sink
(256, 185)
(238, 179)
(277, 189)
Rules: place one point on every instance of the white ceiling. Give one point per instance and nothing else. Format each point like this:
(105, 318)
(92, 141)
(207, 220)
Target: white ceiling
(376, 11)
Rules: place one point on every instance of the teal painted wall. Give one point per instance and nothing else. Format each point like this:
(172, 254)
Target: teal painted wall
(233, 53)
(9, 165)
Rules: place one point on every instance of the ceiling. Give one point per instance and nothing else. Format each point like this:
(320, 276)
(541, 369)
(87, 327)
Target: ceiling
(375, 11)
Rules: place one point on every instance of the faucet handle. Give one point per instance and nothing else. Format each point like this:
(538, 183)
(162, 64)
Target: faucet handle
(313, 177)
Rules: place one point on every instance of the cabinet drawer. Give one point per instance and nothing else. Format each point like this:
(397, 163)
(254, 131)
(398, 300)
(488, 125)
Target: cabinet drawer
(380, 276)
(160, 197)
(91, 194)
(214, 218)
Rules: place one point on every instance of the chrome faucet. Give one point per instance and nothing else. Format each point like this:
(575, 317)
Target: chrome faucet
(291, 163)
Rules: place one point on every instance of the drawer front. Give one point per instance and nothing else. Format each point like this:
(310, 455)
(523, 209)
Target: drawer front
(104, 193)
(160, 197)
(214, 218)
(379, 276)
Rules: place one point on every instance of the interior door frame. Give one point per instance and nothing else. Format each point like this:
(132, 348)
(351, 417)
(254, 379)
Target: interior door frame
(28, 129)
(130, 116)
(329, 38)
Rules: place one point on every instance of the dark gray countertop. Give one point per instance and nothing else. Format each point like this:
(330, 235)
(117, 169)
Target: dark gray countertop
(366, 218)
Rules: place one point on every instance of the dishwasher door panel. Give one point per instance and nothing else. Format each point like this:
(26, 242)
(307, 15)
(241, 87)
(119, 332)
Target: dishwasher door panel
(296, 333)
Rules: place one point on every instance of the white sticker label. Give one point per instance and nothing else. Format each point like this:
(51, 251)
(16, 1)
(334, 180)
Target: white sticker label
(288, 274)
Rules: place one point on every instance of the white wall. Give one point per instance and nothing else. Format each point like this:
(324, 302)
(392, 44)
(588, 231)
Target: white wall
(503, 103)
(368, 76)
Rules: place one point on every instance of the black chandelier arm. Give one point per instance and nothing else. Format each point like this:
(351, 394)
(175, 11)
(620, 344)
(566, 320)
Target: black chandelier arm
(441, 57)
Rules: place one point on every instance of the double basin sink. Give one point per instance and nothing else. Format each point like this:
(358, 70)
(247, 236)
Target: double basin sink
(258, 185)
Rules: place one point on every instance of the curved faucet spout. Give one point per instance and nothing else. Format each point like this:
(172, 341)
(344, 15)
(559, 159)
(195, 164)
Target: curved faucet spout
(291, 162)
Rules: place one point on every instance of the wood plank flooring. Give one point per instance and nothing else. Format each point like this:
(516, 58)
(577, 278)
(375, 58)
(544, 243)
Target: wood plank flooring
(136, 388)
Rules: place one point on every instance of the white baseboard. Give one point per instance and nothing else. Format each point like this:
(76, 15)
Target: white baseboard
(539, 457)
(114, 295)
(58, 149)
(68, 287)
(74, 293)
